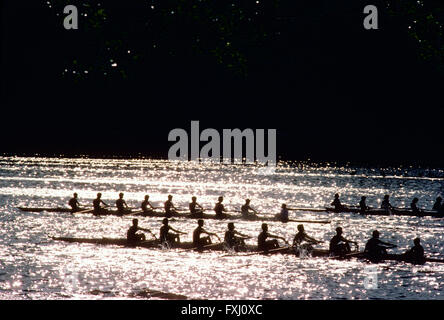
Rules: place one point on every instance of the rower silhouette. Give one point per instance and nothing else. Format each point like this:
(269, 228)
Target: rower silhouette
(196, 210)
(363, 206)
(375, 249)
(170, 209)
(339, 246)
(74, 203)
(220, 209)
(245, 210)
(97, 205)
(265, 245)
(416, 254)
(386, 204)
(414, 207)
(234, 239)
(437, 206)
(299, 239)
(337, 204)
(132, 236)
(198, 241)
(146, 206)
(283, 216)
(167, 237)
(122, 207)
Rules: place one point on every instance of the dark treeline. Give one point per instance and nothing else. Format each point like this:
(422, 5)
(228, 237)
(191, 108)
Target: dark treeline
(333, 90)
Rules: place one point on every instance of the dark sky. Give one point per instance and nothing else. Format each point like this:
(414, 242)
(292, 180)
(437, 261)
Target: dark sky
(333, 91)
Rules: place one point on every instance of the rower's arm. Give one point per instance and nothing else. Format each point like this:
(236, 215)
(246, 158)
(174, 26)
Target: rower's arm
(149, 203)
(177, 231)
(311, 239)
(389, 244)
(242, 235)
(104, 203)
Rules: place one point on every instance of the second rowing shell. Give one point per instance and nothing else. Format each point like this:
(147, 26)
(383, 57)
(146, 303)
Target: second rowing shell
(153, 244)
(157, 214)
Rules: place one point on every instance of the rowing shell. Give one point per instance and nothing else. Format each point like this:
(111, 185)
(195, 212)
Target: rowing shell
(383, 212)
(153, 244)
(157, 214)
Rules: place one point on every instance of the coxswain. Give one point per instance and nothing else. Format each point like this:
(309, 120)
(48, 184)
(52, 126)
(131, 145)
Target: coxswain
(198, 241)
(416, 253)
(133, 236)
(340, 246)
(414, 206)
(363, 208)
(122, 207)
(146, 206)
(245, 210)
(219, 209)
(263, 244)
(98, 209)
(74, 203)
(168, 237)
(170, 209)
(337, 203)
(234, 239)
(195, 208)
(375, 249)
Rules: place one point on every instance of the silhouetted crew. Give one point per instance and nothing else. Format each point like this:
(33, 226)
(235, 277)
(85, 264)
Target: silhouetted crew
(220, 209)
(199, 241)
(195, 208)
(386, 203)
(146, 206)
(363, 206)
(97, 202)
(414, 206)
(234, 239)
(169, 237)
(245, 210)
(302, 236)
(263, 244)
(122, 207)
(337, 203)
(375, 249)
(74, 203)
(437, 205)
(170, 209)
(133, 236)
(339, 245)
(283, 216)
(416, 253)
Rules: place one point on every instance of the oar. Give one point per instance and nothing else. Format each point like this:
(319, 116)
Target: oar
(310, 221)
(308, 209)
(435, 260)
(85, 211)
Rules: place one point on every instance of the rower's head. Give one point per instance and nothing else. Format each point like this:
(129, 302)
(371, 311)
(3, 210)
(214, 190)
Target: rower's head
(121, 195)
(165, 221)
(339, 231)
(336, 195)
(220, 199)
(363, 198)
(415, 200)
(75, 195)
(193, 199)
(375, 234)
(135, 222)
(231, 226)
(386, 197)
(284, 206)
(200, 222)
(439, 199)
(147, 197)
(99, 195)
(170, 197)
(265, 227)
(417, 241)
(247, 201)
(301, 228)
